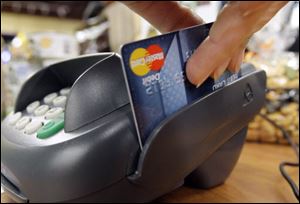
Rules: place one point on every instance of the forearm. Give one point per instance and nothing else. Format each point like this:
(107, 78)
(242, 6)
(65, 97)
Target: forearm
(166, 16)
(242, 19)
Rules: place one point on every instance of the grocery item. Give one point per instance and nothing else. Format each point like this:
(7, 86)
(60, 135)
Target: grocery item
(282, 99)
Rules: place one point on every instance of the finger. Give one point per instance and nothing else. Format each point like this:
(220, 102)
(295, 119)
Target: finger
(239, 62)
(220, 70)
(236, 61)
(225, 37)
(215, 49)
(209, 56)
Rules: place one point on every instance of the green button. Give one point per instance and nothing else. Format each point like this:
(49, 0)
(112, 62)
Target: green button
(51, 128)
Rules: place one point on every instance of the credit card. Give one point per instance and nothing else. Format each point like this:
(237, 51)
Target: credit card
(154, 70)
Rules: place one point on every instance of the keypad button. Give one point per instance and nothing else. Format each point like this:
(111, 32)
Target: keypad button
(49, 98)
(64, 91)
(13, 119)
(33, 126)
(53, 113)
(60, 101)
(31, 107)
(50, 128)
(41, 110)
(23, 122)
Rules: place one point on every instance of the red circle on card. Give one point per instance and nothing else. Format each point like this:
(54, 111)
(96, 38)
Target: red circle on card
(156, 57)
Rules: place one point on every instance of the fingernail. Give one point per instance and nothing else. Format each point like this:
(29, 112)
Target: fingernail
(199, 84)
(217, 74)
(237, 66)
(237, 69)
(232, 69)
(239, 63)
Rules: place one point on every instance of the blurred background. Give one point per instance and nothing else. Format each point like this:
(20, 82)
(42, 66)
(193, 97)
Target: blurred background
(35, 34)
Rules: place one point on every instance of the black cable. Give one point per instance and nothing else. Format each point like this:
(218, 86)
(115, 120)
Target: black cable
(288, 178)
(285, 134)
(283, 164)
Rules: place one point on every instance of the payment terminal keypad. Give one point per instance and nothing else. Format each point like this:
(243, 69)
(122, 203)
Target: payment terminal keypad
(42, 119)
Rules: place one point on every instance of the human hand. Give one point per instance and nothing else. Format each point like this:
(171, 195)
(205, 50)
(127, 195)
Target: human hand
(224, 47)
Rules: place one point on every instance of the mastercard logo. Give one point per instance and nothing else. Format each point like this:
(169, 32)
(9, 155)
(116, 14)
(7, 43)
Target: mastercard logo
(142, 60)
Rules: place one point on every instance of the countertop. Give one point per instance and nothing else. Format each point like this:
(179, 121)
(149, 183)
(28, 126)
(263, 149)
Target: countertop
(256, 178)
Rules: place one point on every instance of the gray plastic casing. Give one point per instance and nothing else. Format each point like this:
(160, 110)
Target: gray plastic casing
(97, 157)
